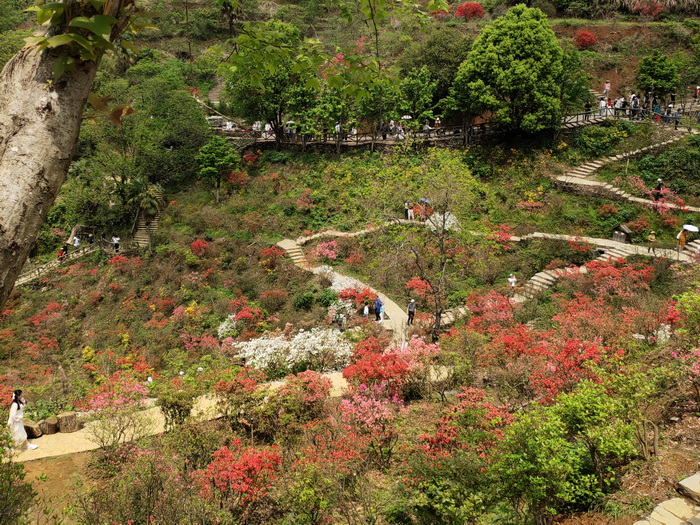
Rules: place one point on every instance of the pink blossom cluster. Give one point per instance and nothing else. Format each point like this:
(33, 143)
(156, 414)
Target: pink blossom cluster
(327, 250)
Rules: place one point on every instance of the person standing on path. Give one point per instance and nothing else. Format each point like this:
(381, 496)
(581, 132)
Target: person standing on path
(91, 239)
(381, 313)
(115, 241)
(365, 311)
(76, 242)
(682, 238)
(411, 310)
(16, 421)
(651, 240)
(606, 89)
(377, 308)
(512, 281)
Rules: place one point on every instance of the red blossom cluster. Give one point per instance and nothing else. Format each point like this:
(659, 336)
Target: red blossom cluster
(199, 247)
(584, 39)
(358, 296)
(470, 11)
(240, 475)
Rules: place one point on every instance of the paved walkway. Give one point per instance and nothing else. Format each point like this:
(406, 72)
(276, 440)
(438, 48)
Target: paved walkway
(396, 317)
(582, 178)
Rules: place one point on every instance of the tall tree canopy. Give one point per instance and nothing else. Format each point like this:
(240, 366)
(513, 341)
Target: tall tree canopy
(657, 73)
(513, 71)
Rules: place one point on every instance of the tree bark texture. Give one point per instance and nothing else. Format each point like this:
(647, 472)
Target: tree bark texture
(39, 123)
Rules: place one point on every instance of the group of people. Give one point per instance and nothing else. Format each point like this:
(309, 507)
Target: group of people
(75, 244)
(412, 212)
(379, 311)
(634, 107)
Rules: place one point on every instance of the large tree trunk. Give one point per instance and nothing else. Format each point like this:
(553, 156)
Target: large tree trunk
(39, 124)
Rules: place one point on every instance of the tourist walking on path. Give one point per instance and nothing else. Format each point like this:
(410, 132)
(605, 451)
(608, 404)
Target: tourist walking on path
(606, 89)
(115, 242)
(602, 107)
(365, 311)
(381, 313)
(91, 239)
(651, 240)
(16, 421)
(76, 242)
(587, 109)
(377, 308)
(512, 281)
(411, 311)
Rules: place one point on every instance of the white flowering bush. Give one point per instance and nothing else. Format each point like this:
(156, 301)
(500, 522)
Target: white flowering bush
(229, 328)
(340, 309)
(440, 223)
(320, 349)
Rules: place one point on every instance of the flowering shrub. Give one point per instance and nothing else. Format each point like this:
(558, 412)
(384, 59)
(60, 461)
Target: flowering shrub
(470, 11)
(608, 210)
(116, 411)
(199, 247)
(240, 476)
(273, 300)
(355, 260)
(650, 8)
(318, 349)
(359, 296)
(339, 311)
(472, 423)
(126, 265)
(327, 250)
(238, 179)
(404, 369)
(584, 39)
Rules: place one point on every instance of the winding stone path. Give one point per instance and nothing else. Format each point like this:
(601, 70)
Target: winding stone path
(581, 179)
(396, 317)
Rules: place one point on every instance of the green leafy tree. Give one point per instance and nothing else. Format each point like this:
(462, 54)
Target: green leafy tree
(417, 91)
(442, 53)
(272, 68)
(596, 420)
(658, 74)
(216, 160)
(513, 72)
(535, 465)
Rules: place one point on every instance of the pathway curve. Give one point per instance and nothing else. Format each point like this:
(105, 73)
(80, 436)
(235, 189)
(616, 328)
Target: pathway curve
(543, 280)
(581, 179)
(396, 316)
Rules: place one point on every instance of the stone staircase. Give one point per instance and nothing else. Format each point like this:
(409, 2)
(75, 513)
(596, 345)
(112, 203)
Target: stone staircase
(144, 230)
(678, 511)
(39, 271)
(582, 179)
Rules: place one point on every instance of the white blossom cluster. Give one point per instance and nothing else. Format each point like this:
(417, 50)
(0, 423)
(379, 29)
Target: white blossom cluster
(341, 307)
(438, 222)
(320, 349)
(338, 282)
(229, 328)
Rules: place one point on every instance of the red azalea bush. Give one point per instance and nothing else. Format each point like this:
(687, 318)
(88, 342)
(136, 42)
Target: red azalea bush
(650, 8)
(199, 247)
(470, 11)
(239, 476)
(584, 39)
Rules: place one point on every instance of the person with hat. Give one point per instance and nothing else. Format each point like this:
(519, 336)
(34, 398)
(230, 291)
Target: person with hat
(651, 240)
(411, 310)
(658, 192)
(512, 280)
